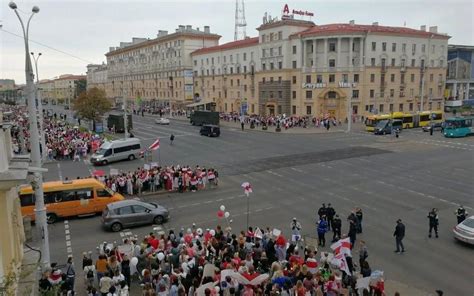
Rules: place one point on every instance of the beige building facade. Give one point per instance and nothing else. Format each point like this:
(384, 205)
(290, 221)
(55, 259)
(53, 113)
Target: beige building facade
(62, 90)
(300, 68)
(157, 70)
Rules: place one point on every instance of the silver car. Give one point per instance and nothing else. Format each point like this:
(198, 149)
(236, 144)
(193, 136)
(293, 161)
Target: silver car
(464, 231)
(128, 213)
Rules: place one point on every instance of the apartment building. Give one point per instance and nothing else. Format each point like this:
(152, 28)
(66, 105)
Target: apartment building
(158, 70)
(97, 76)
(300, 68)
(460, 76)
(63, 89)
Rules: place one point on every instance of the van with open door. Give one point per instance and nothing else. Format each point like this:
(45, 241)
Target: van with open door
(117, 150)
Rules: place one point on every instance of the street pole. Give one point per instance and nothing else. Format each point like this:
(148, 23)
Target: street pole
(125, 119)
(37, 180)
(349, 111)
(44, 150)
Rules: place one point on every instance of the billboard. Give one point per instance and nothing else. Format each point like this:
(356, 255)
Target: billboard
(188, 92)
(188, 77)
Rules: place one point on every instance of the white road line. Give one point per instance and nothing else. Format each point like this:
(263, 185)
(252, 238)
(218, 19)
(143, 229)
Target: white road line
(69, 250)
(208, 201)
(59, 172)
(66, 231)
(220, 199)
(68, 237)
(297, 170)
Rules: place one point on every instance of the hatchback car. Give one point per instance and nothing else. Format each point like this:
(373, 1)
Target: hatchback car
(464, 231)
(128, 213)
(163, 121)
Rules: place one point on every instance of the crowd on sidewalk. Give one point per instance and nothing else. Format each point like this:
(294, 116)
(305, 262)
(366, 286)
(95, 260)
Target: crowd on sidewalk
(170, 178)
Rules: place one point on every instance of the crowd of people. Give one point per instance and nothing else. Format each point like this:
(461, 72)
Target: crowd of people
(171, 178)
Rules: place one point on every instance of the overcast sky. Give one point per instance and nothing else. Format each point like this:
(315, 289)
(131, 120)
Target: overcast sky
(86, 29)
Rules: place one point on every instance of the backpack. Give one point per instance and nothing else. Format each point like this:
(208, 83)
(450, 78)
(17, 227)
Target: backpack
(90, 274)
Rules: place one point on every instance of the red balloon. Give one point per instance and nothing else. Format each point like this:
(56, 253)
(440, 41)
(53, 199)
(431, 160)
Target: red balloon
(220, 214)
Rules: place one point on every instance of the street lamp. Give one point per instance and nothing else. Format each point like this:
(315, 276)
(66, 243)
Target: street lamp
(44, 150)
(37, 180)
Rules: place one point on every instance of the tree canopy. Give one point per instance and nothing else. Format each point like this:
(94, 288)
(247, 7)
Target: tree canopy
(92, 104)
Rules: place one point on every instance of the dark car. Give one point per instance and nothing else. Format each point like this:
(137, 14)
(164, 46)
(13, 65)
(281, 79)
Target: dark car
(388, 126)
(437, 126)
(127, 213)
(210, 130)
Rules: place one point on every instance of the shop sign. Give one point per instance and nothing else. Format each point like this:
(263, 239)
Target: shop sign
(347, 84)
(313, 85)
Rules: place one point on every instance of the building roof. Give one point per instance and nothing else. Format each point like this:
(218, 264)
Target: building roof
(354, 28)
(73, 77)
(459, 46)
(228, 46)
(286, 22)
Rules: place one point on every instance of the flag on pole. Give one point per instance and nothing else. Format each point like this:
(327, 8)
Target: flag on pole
(258, 233)
(342, 246)
(339, 260)
(247, 188)
(155, 145)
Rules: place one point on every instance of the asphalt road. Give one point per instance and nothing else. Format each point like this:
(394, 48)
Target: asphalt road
(293, 174)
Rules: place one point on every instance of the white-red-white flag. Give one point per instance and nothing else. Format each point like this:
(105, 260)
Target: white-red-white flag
(342, 246)
(340, 261)
(258, 233)
(247, 188)
(155, 145)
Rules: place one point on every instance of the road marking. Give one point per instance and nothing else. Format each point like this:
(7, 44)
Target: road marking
(66, 231)
(273, 173)
(68, 237)
(220, 199)
(69, 250)
(208, 201)
(297, 170)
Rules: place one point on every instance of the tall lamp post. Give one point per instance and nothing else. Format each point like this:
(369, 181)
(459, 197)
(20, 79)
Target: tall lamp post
(44, 150)
(37, 180)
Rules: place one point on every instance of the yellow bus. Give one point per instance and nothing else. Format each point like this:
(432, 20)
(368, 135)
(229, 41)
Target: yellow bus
(69, 198)
(406, 118)
(372, 120)
(424, 117)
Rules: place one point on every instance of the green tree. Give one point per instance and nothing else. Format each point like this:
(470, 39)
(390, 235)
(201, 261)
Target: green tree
(92, 104)
(80, 87)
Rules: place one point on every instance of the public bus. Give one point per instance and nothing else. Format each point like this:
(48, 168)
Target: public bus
(430, 117)
(69, 198)
(457, 127)
(373, 120)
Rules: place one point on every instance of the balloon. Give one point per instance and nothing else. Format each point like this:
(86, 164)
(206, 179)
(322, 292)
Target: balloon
(161, 256)
(220, 214)
(189, 230)
(188, 238)
(134, 261)
(227, 214)
(217, 289)
(199, 231)
(222, 208)
(212, 232)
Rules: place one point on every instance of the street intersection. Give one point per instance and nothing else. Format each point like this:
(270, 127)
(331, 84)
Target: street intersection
(292, 174)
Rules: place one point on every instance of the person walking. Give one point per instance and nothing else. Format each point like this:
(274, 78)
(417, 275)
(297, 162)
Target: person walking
(363, 253)
(336, 228)
(399, 234)
(433, 221)
(322, 229)
(171, 139)
(70, 275)
(461, 214)
(330, 212)
(359, 216)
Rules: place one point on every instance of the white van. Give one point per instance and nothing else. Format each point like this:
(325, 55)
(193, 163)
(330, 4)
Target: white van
(117, 150)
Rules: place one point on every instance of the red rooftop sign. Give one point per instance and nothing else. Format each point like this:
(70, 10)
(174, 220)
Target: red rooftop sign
(286, 11)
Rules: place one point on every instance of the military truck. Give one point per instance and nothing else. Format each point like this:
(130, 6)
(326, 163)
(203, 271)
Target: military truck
(204, 117)
(116, 119)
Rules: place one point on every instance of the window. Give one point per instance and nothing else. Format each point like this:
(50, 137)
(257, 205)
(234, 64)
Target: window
(294, 49)
(27, 200)
(441, 63)
(103, 193)
(264, 67)
(394, 47)
(392, 93)
(412, 92)
(308, 78)
(381, 108)
(345, 78)
(271, 79)
(272, 66)
(404, 47)
(384, 46)
(293, 109)
(309, 94)
(393, 63)
(332, 95)
(280, 65)
(431, 78)
(308, 110)
(355, 93)
(293, 94)
(372, 78)
(332, 63)
(400, 107)
(412, 78)
(271, 52)
(423, 48)
(392, 78)
(372, 93)
(332, 78)
(319, 78)
(332, 46)
(263, 52)
(410, 107)
(263, 80)
(413, 62)
(413, 49)
(280, 95)
(390, 108)
(84, 193)
(280, 35)
(279, 51)
(374, 46)
(402, 78)
(294, 64)
(293, 79)
(372, 62)
(125, 210)
(195, 62)
(356, 78)
(139, 209)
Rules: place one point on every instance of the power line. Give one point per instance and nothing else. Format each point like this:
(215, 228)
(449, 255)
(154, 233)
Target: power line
(47, 46)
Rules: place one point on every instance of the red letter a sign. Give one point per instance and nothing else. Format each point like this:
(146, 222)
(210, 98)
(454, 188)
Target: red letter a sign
(286, 10)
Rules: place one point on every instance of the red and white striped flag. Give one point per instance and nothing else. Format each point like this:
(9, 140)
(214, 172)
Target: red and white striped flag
(342, 246)
(155, 145)
(340, 261)
(247, 188)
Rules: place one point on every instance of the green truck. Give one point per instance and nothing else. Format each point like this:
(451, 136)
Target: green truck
(115, 119)
(204, 117)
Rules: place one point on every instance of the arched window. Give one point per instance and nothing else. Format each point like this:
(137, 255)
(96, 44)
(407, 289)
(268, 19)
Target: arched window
(332, 95)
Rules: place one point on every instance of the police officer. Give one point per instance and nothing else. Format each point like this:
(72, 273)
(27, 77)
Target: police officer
(322, 212)
(359, 216)
(330, 212)
(434, 221)
(461, 214)
(336, 228)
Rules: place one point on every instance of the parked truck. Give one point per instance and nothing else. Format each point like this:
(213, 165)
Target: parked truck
(116, 120)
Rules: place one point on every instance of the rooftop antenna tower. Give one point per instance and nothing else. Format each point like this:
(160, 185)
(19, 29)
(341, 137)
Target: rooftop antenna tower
(240, 23)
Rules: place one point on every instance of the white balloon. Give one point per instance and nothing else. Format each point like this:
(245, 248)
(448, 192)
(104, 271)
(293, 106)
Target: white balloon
(227, 214)
(217, 289)
(212, 232)
(161, 256)
(134, 261)
(222, 208)
(199, 231)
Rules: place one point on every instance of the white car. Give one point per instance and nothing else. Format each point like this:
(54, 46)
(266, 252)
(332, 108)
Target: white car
(162, 120)
(464, 231)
